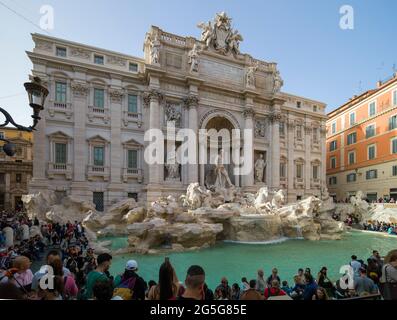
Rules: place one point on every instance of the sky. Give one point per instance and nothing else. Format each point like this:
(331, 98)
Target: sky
(316, 57)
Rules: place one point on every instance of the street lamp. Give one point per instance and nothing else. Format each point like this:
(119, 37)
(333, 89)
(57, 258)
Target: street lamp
(37, 94)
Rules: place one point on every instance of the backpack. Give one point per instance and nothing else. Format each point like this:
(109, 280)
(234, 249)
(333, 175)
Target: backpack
(125, 289)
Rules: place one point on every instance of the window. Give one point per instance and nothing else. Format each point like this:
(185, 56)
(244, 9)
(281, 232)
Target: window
(314, 108)
(394, 97)
(371, 174)
(333, 145)
(98, 59)
(352, 118)
(18, 178)
(61, 52)
(372, 109)
(133, 195)
(333, 128)
(394, 171)
(315, 135)
(333, 162)
(351, 138)
(99, 156)
(351, 177)
(370, 131)
(60, 92)
(97, 199)
(352, 157)
(372, 196)
(371, 152)
(2, 135)
(299, 171)
(133, 67)
(99, 98)
(394, 145)
(132, 103)
(332, 181)
(315, 172)
(281, 129)
(298, 104)
(299, 132)
(132, 159)
(393, 122)
(282, 170)
(60, 153)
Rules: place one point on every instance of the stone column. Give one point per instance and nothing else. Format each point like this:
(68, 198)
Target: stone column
(308, 163)
(115, 188)
(202, 157)
(79, 186)
(291, 163)
(248, 179)
(191, 103)
(323, 173)
(275, 147)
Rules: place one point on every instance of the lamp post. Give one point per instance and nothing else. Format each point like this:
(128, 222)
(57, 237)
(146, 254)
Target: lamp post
(37, 94)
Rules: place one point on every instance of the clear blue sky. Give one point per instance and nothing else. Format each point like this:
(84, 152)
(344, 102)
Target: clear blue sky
(317, 59)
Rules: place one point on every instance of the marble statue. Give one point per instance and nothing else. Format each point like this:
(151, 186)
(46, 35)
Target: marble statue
(220, 36)
(8, 233)
(260, 129)
(222, 177)
(155, 50)
(172, 114)
(277, 82)
(172, 166)
(262, 199)
(260, 166)
(250, 76)
(278, 199)
(194, 58)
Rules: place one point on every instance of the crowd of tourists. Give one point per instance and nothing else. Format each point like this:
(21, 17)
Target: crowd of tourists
(380, 226)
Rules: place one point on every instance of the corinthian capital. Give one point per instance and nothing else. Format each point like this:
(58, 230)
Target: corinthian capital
(248, 113)
(275, 116)
(79, 89)
(191, 101)
(116, 95)
(152, 95)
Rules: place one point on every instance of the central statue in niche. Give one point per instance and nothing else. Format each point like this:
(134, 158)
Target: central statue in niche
(222, 177)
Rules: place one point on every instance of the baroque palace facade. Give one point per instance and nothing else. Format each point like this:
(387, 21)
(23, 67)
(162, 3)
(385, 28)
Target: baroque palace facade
(90, 142)
(15, 171)
(362, 144)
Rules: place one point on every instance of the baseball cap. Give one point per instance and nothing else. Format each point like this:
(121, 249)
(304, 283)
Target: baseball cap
(131, 265)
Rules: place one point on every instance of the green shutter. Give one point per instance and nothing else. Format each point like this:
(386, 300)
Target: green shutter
(132, 159)
(60, 92)
(99, 98)
(60, 153)
(98, 156)
(132, 103)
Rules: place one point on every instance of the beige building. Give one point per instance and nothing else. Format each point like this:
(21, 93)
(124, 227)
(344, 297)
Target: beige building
(16, 171)
(90, 143)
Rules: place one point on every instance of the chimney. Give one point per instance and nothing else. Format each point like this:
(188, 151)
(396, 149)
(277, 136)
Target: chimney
(379, 84)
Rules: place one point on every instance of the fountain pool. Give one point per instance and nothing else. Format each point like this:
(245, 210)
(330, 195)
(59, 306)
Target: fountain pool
(235, 260)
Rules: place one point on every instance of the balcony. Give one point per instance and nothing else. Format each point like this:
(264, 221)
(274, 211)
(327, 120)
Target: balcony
(102, 114)
(132, 117)
(299, 183)
(60, 108)
(315, 183)
(94, 172)
(132, 173)
(56, 169)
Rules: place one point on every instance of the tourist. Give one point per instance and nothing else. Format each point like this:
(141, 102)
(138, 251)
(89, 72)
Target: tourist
(51, 292)
(374, 270)
(388, 281)
(364, 285)
(286, 288)
(321, 294)
(104, 261)
(273, 276)
(236, 291)
(324, 282)
(130, 286)
(274, 290)
(9, 291)
(298, 289)
(23, 277)
(301, 276)
(376, 256)
(260, 281)
(244, 284)
(252, 293)
(356, 265)
(310, 287)
(220, 293)
(168, 285)
(51, 256)
(70, 289)
(225, 287)
(103, 291)
(195, 279)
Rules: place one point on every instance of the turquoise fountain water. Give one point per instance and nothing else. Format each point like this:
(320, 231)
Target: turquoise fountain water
(242, 260)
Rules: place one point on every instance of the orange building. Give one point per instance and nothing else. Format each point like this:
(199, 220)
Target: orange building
(362, 144)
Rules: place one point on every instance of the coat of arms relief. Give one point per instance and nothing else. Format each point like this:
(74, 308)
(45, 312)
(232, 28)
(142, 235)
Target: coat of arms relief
(220, 36)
